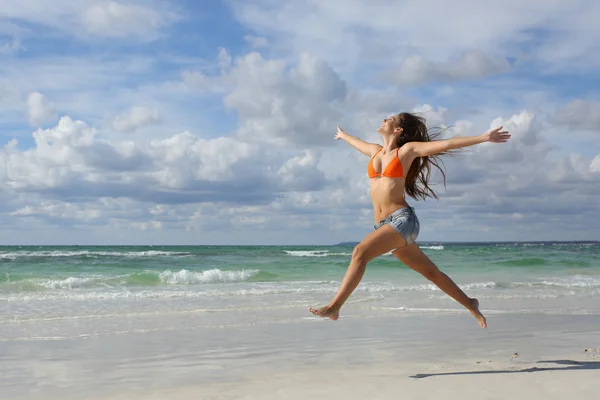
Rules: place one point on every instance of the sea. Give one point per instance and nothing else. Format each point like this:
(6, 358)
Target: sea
(53, 293)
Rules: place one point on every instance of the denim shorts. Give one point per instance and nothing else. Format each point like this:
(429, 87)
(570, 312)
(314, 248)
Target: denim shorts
(404, 221)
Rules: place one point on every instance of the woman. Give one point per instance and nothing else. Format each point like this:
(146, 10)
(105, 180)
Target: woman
(402, 165)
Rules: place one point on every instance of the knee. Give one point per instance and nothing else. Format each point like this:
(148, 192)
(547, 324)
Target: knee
(359, 255)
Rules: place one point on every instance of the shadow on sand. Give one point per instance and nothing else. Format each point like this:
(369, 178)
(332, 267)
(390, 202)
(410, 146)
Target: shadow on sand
(571, 366)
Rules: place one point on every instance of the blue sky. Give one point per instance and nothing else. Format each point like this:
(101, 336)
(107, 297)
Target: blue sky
(184, 122)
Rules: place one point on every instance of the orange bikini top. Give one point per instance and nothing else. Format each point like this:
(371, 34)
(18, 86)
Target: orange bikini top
(393, 170)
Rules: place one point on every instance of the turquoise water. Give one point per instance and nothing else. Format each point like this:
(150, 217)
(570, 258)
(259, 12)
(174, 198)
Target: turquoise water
(55, 272)
(118, 285)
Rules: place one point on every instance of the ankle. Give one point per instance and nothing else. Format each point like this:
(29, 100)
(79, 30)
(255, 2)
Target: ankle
(473, 304)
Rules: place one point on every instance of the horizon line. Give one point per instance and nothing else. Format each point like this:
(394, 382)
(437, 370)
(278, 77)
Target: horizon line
(331, 244)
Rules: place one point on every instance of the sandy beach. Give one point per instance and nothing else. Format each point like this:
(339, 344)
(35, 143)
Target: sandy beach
(556, 379)
(361, 356)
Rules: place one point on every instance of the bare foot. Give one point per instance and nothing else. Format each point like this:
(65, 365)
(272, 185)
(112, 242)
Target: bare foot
(477, 314)
(325, 312)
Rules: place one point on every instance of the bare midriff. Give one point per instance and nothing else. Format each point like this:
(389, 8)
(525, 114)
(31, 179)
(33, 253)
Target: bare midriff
(387, 195)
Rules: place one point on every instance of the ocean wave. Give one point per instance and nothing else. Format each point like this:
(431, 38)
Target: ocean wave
(577, 282)
(327, 253)
(91, 254)
(151, 294)
(242, 288)
(314, 253)
(432, 287)
(69, 283)
(545, 244)
(138, 279)
(575, 244)
(440, 247)
(185, 277)
(108, 295)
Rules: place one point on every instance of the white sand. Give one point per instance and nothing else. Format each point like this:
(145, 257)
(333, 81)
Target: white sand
(466, 380)
(400, 356)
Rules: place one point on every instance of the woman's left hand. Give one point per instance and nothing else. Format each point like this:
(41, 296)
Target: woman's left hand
(497, 135)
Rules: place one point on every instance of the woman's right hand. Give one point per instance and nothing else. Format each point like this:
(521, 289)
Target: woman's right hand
(339, 134)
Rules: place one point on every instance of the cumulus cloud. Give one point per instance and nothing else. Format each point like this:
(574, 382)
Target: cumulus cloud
(301, 173)
(76, 176)
(281, 107)
(136, 117)
(520, 176)
(579, 114)
(278, 102)
(73, 162)
(39, 110)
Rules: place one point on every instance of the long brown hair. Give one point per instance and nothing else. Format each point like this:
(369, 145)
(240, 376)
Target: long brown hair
(414, 129)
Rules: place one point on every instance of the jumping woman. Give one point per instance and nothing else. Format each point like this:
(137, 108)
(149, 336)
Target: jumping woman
(403, 165)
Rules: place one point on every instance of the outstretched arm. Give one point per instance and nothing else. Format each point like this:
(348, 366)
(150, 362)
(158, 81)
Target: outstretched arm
(364, 147)
(423, 149)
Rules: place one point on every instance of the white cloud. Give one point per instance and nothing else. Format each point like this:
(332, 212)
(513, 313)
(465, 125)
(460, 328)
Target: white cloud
(282, 107)
(73, 160)
(580, 114)
(113, 19)
(137, 117)
(197, 80)
(519, 177)
(185, 182)
(40, 111)
(415, 69)
(433, 117)
(144, 226)
(60, 210)
(256, 41)
(595, 165)
(185, 158)
(383, 32)
(301, 173)
(224, 58)
(96, 89)
(11, 46)
(205, 81)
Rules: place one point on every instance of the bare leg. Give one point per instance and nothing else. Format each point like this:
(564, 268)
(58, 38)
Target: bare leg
(415, 259)
(375, 244)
